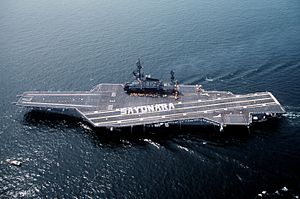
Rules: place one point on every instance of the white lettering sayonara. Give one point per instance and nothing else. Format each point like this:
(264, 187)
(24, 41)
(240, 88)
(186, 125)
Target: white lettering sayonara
(146, 109)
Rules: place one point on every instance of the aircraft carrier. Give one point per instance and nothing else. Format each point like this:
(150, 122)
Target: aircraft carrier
(150, 102)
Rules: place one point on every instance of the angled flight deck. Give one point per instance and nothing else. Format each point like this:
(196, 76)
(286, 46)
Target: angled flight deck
(108, 105)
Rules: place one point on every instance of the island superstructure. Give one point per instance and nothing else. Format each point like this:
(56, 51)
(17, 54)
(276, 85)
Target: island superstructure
(150, 102)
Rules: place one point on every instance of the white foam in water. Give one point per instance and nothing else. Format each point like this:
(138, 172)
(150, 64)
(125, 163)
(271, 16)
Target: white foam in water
(283, 192)
(184, 148)
(85, 127)
(152, 143)
(209, 79)
(292, 115)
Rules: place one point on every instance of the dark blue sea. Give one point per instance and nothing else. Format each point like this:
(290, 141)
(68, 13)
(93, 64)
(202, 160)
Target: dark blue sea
(239, 46)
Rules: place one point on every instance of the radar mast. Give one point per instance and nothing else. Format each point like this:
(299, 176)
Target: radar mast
(138, 72)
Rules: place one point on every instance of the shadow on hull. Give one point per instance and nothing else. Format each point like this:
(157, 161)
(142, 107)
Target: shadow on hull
(56, 120)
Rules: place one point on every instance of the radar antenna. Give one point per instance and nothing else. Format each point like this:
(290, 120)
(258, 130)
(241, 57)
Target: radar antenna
(138, 72)
(172, 77)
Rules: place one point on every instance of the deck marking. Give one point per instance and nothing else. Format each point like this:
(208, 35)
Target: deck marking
(175, 114)
(63, 94)
(151, 118)
(57, 104)
(190, 107)
(225, 98)
(195, 102)
(146, 109)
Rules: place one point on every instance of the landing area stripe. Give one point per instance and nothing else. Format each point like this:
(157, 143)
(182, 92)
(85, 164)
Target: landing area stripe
(186, 108)
(182, 115)
(196, 101)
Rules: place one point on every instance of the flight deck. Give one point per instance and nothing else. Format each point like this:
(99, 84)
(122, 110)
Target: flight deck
(108, 105)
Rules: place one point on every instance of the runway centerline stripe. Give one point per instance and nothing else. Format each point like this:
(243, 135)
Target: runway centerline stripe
(57, 104)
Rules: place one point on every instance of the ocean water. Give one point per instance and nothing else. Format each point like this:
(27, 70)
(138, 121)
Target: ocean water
(239, 46)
